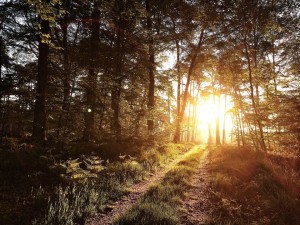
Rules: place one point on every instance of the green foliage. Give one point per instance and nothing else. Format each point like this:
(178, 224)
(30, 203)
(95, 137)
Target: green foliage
(159, 205)
(127, 172)
(179, 174)
(74, 204)
(149, 213)
(83, 198)
(102, 54)
(81, 168)
(47, 10)
(166, 192)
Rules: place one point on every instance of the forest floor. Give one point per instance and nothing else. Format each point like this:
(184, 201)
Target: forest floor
(206, 185)
(227, 185)
(197, 205)
(32, 182)
(135, 193)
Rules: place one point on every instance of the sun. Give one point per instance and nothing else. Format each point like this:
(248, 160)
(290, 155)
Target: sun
(207, 110)
(213, 110)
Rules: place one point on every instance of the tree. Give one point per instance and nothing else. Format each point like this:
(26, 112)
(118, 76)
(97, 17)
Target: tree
(39, 122)
(151, 66)
(99, 74)
(192, 66)
(91, 85)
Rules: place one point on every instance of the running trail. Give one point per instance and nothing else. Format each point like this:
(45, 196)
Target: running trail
(198, 204)
(136, 192)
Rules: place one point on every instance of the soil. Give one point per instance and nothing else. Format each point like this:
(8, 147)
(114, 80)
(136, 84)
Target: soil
(197, 204)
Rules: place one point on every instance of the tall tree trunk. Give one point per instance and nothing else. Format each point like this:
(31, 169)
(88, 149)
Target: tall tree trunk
(254, 98)
(115, 105)
(177, 134)
(140, 114)
(39, 121)
(63, 118)
(195, 117)
(224, 121)
(119, 66)
(241, 122)
(188, 127)
(258, 120)
(242, 129)
(190, 71)
(210, 135)
(2, 108)
(237, 127)
(92, 77)
(216, 98)
(274, 70)
(218, 137)
(151, 68)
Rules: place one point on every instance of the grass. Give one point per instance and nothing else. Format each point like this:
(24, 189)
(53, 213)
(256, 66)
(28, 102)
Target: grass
(82, 199)
(247, 187)
(250, 189)
(73, 204)
(160, 204)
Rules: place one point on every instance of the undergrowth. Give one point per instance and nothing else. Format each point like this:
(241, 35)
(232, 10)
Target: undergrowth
(90, 192)
(159, 205)
(250, 189)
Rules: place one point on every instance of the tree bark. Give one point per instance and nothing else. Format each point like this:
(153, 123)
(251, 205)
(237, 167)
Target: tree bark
(177, 134)
(39, 121)
(195, 117)
(115, 106)
(1, 63)
(260, 126)
(224, 121)
(92, 77)
(151, 67)
(119, 66)
(185, 95)
(63, 118)
(188, 127)
(218, 137)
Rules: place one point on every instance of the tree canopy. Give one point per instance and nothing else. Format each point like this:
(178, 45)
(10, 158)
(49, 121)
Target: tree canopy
(122, 70)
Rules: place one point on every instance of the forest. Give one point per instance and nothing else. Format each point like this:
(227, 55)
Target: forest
(146, 112)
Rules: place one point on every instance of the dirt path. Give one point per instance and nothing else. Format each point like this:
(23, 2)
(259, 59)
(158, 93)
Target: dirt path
(137, 191)
(198, 204)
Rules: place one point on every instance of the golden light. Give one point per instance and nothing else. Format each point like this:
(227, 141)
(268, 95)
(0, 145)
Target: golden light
(207, 111)
(211, 110)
